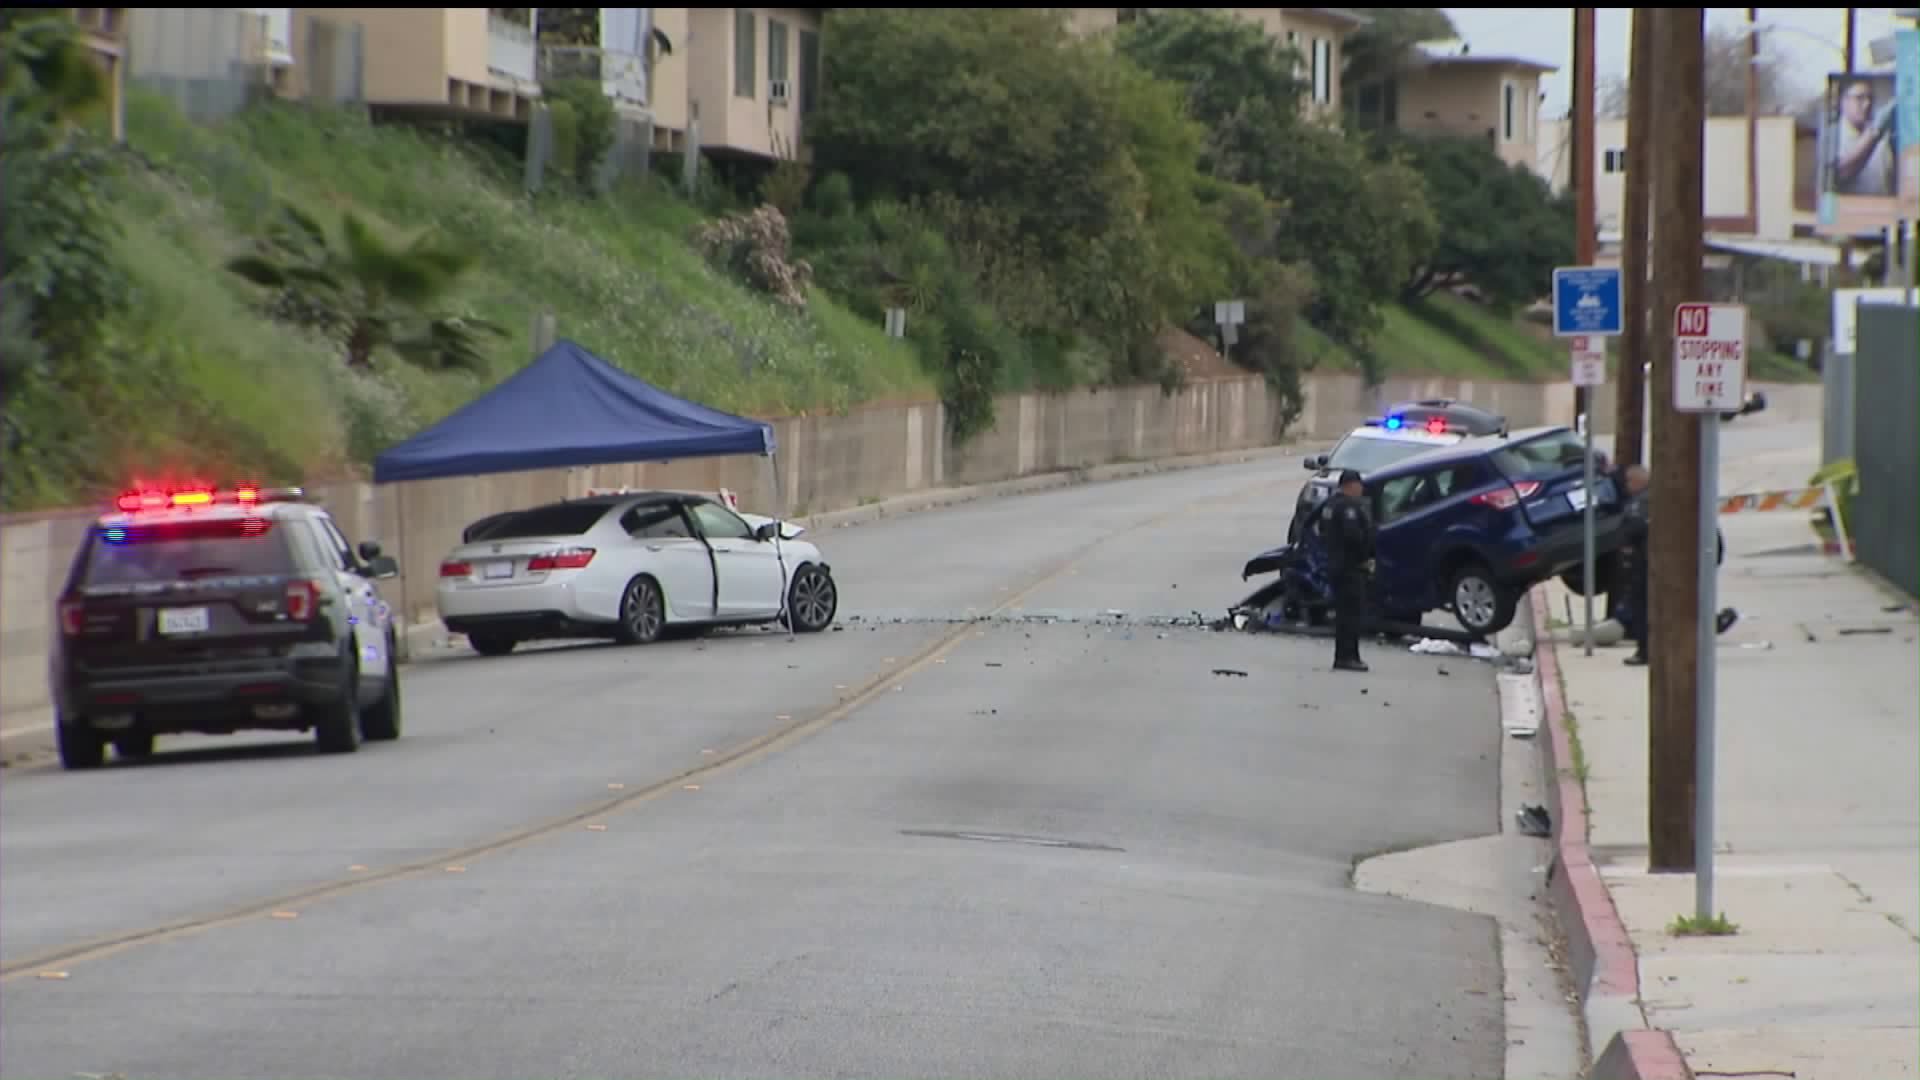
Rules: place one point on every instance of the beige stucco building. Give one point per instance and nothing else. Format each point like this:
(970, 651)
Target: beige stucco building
(1492, 97)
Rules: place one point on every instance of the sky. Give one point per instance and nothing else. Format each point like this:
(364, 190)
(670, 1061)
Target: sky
(1814, 38)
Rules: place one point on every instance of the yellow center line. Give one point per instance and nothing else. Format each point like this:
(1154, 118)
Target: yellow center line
(456, 861)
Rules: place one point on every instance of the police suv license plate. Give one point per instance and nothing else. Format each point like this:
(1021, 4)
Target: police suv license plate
(494, 571)
(188, 620)
(1578, 498)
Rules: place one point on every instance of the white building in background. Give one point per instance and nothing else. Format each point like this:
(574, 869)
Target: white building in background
(1783, 214)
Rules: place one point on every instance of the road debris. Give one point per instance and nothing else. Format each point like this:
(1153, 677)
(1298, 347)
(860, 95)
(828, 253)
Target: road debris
(1235, 672)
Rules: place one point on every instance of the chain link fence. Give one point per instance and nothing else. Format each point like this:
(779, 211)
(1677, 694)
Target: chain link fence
(1886, 512)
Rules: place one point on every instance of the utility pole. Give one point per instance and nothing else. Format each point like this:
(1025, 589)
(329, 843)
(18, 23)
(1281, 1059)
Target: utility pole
(1846, 242)
(1753, 123)
(1630, 402)
(1583, 168)
(1674, 645)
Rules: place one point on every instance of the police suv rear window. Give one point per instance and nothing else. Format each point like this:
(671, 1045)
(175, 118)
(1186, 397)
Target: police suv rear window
(1548, 455)
(150, 552)
(565, 519)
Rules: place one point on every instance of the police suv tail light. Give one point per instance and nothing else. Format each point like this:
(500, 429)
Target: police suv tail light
(564, 559)
(1507, 498)
(72, 617)
(303, 600)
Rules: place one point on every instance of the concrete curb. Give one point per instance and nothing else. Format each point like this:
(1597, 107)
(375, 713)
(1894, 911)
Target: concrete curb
(1606, 970)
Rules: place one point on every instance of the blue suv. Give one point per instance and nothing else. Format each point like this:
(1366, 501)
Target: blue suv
(1471, 527)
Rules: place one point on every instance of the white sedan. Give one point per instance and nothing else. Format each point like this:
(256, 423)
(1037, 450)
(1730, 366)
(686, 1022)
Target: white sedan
(629, 566)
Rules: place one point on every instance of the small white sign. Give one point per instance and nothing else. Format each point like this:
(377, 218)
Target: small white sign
(1589, 360)
(192, 620)
(1709, 357)
(1230, 312)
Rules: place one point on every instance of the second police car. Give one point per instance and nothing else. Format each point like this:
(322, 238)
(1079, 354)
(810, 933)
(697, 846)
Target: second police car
(215, 611)
(1407, 429)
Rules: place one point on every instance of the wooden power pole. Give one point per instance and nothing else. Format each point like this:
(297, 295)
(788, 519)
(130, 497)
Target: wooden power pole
(1679, 136)
(1630, 402)
(1584, 145)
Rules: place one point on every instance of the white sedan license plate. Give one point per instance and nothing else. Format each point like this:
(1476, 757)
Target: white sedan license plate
(494, 571)
(1578, 497)
(189, 620)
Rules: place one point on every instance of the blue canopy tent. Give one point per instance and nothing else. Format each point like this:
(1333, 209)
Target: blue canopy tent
(569, 408)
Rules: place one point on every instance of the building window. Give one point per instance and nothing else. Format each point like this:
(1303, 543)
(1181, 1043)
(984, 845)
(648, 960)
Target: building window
(777, 50)
(1613, 160)
(745, 70)
(809, 70)
(1508, 100)
(1322, 71)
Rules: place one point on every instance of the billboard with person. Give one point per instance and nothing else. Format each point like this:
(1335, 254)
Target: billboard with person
(1867, 177)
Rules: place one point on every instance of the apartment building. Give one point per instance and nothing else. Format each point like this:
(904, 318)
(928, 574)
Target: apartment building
(1318, 35)
(1446, 90)
(1784, 151)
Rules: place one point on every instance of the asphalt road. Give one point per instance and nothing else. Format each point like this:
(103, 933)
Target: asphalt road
(1003, 849)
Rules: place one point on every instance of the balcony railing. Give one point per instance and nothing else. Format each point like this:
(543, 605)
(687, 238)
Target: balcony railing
(622, 75)
(510, 49)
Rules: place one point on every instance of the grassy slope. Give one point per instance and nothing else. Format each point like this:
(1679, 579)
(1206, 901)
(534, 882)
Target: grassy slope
(617, 274)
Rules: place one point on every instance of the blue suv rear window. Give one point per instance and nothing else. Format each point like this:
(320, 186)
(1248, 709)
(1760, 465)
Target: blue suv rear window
(1548, 455)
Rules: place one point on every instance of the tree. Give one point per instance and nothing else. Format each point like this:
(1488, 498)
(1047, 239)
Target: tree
(365, 294)
(570, 26)
(1726, 49)
(59, 274)
(1383, 48)
(1028, 132)
(1362, 225)
(1499, 227)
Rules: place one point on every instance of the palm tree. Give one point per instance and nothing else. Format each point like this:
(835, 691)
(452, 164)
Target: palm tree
(365, 294)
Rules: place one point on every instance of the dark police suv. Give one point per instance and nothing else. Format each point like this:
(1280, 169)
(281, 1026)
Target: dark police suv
(211, 612)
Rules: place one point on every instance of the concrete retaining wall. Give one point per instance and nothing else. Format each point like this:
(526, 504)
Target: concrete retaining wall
(826, 463)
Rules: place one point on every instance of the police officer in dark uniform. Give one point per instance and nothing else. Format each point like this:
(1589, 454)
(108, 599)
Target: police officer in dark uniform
(1349, 535)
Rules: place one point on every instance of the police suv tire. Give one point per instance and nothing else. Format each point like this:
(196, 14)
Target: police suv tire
(1499, 603)
(133, 746)
(381, 721)
(336, 725)
(80, 747)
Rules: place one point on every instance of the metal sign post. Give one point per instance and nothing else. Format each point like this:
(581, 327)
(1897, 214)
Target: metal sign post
(1587, 309)
(1709, 378)
(1589, 370)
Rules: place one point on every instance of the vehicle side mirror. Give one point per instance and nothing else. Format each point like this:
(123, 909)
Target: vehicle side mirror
(369, 551)
(768, 531)
(381, 567)
(1315, 463)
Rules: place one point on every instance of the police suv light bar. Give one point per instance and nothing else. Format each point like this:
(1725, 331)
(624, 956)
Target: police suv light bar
(185, 498)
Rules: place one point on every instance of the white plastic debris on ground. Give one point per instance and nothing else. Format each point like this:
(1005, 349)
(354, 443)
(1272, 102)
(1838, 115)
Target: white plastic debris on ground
(1437, 647)
(1519, 705)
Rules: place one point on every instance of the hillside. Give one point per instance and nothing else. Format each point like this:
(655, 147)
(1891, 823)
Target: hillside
(206, 379)
(195, 378)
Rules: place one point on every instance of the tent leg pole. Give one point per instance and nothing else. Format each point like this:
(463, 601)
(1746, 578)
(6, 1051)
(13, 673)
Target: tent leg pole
(780, 519)
(406, 606)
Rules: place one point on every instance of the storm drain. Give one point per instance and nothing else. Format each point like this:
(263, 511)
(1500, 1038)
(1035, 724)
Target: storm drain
(1010, 838)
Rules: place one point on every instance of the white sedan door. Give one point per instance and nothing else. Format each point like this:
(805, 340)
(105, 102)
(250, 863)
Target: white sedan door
(751, 581)
(665, 546)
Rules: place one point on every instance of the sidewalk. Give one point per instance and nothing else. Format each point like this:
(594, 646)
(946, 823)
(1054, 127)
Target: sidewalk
(1818, 808)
